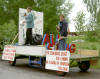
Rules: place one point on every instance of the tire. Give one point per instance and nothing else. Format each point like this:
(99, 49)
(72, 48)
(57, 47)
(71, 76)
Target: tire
(84, 65)
(12, 63)
(60, 73)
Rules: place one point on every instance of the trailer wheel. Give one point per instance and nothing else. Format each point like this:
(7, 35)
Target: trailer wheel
(60, 73)
(84, 65)
(12, 63)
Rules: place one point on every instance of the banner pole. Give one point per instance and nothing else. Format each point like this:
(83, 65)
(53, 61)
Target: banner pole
(14, 38)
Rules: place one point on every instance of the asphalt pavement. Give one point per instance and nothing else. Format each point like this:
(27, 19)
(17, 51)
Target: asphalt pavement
(23, 71)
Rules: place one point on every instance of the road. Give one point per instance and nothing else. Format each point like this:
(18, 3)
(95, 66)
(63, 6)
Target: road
(23, 71)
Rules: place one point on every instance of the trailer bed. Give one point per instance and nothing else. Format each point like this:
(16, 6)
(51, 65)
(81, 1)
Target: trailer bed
(80, 57)
(39, 50)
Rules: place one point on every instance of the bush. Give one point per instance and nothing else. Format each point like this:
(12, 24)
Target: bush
(7, 33)
(91, 36)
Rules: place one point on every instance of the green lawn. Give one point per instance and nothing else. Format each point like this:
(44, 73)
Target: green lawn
(96, 66)
(85, 44)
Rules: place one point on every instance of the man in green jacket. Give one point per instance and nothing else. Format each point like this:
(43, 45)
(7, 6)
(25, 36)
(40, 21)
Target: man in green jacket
(29, 25)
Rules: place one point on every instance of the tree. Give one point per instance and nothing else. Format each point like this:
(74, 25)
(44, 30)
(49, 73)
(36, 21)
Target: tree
(7, 33)
(9, 10)
(79, 22)
(93, 6)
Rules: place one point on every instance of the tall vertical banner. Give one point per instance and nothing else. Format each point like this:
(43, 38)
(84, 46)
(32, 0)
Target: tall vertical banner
(38, 24)
(57, 60)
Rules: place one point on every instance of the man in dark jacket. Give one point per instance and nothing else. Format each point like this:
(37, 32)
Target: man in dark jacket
(62, 28)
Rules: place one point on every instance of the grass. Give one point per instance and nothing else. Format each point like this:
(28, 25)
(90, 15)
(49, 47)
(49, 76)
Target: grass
(96, 66)
(84, 45)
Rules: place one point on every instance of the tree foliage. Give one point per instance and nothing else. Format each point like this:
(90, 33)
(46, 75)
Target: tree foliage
(7, 33)
(79, 22)
(9, 12)
(51, 9)
(93, 6)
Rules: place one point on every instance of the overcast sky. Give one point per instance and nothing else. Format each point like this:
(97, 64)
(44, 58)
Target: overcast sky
(78, 6)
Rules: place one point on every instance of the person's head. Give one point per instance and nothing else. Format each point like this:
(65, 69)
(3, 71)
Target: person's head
(62, 17)
(29, 9)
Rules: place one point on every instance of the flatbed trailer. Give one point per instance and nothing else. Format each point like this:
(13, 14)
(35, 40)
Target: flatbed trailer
(82, 60)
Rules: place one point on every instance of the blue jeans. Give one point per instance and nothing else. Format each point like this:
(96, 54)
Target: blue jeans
(62, 44)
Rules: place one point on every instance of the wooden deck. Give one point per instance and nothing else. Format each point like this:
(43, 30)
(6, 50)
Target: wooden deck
(79, 57)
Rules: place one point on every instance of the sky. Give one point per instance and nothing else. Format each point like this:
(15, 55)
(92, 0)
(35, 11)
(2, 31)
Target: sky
(78, 6)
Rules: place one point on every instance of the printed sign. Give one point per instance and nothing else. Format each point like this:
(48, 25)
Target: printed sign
(9, 53)
(57, 60)
(38, 25)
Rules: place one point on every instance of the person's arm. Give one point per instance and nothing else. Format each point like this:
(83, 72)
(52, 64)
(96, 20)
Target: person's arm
(58, 28)
(29, 18)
